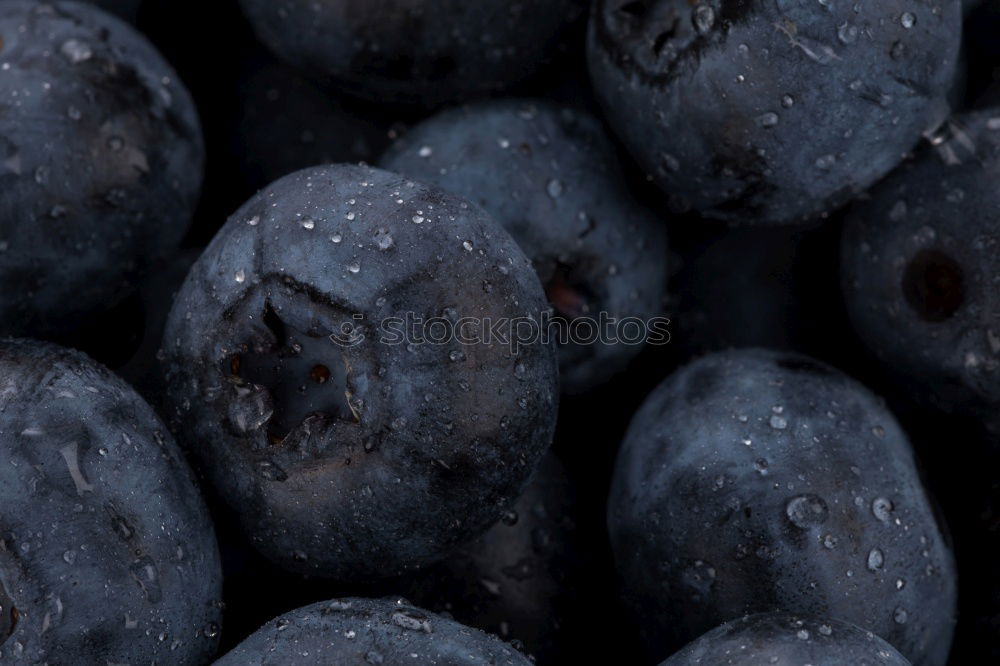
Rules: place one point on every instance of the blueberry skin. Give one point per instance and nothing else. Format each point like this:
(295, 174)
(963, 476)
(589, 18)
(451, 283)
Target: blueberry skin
(106, 549)
(100, 163)
(349, 632)
(778, 638)
(521, 579)
(754, 481)
(770, 112)
(424, 52)
(550, 176)
(919, 262)
(395, 453)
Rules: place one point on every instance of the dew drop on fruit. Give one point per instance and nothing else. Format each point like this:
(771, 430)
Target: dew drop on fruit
(769, 119)
(412, 621)
(882, 509)
(704, 18)
(76, 51)
(145, 573)
(908, 20)
(804, 511)
(250, 408)
(847, 33)
(384, 239)
(875, 559)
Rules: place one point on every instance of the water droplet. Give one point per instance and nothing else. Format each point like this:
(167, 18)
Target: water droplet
(787, 101)
(829, 541)
(145, 573)
(826, 161)
(802, 635)
(76, 51)
(241, 276)
(308, 223)
(704, 18)
(467, 245)
(250, 408)
(900, 616)
(425, 151)
(272, 471)
(769, 119)
(254, 221)
(418, 219)
(825, 629)
(336, 238)
(882, 509)
(383, 239)
(412, 621)
(875, 559)
(554, 188)
(354, 267)
(908, 20)
(806, 510)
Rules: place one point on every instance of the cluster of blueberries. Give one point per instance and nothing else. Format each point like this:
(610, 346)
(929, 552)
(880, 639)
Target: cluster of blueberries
(208, 452)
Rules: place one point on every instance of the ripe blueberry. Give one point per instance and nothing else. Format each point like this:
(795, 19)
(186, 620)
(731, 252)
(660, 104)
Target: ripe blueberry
(107, 554)
(756, 481)
(408, 436)
(550, 176)
(100, 163)
(769, 112)
(920, 261)
(369, 631)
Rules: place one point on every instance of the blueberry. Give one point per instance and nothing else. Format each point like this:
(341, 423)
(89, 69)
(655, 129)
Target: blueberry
(287, 123)
(754, 481)
(369, 631)
(518, 580)
(768, 112)
(425, 51)
(100, 163)
(778, 638)
(919, 268)
(107, 554)
(551, 177)
(390, 448)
